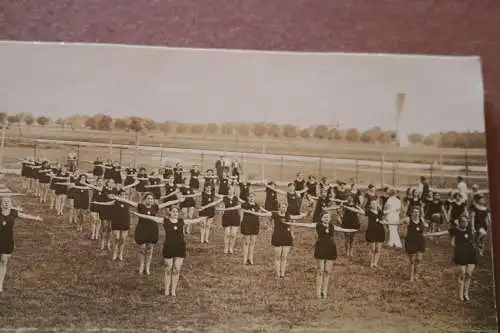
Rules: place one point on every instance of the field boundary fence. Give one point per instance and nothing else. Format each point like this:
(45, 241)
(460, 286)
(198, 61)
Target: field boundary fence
(278, 167)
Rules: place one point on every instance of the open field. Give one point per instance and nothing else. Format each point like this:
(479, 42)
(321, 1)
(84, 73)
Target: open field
(280, 146)
(348, 163)
(58, 279)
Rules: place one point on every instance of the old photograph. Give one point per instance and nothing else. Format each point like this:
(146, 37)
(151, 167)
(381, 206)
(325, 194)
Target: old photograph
(209, 190)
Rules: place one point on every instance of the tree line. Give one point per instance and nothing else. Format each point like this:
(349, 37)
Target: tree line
(375, 135)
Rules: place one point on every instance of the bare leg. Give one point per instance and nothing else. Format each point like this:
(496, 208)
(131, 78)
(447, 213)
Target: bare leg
(227, 236)
(149, 258)
(187, 227)
(116, 237)
(284, 256)
(246, 245)
(142, 258)
(416, 266)
(251, 250)
(277, 260)
(319, 278)
(378, 248)
(232, 239)
(326, 277)
(461, 282)
(468, 279)
(123, 241)
(412, 271)
(169, 263)
(372, 254)
(4, 258)
(207, 230)
(203, 230)
(176, 274)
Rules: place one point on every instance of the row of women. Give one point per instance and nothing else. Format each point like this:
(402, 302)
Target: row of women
(328, 203)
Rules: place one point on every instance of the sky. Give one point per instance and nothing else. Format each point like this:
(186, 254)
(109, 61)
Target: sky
(209, 85)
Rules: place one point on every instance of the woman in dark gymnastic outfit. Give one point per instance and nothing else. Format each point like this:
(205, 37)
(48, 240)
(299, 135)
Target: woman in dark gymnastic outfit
(98, 169)
(194, 177)
(435, 213)
(250, 224)
(282, 237)
(323, 203)
(457, 207)
(481, 220)
(44, 180)
(210, 179)
(62, 176)
(35, 176)
(464, 255)
(105, 215)
(155, 185)
(245, 187)
(325, 250)
(271, 201)
(293, 197)
(142, 177)
(312, 192)
(231, 219)
(178, 173)
(108, 169)
(224, 184)
(79, 191)
(415, 244)
(174, 248)
(168, 172)
(25, 172)
(412, 200)
(116, 173)
(350, 220)
(8, 216)
(375, 233)
(146, 231)
(171, 190)
(130, 178)
(207, 210)
(120, 221)
(188, 206)
(369, 196)
(97, 197)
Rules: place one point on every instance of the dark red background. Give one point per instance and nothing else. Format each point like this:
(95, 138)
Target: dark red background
(458, 27)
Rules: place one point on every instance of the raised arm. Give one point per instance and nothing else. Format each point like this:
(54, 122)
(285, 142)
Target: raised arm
(354, 209)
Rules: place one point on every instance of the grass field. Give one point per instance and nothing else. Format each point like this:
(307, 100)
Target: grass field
(297, 146)
(58, 279)
(280, 170)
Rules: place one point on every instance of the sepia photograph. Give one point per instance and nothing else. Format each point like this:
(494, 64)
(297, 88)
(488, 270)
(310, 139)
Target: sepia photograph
(215, 190)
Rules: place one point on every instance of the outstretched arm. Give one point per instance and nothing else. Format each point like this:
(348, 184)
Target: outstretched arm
(215, 203)
(197, 220)
(256, 213)
(170, 203)
(298, 217)
(128, 202)
(29, 217)
(156, 219)
(135, 183)
(305, 225)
